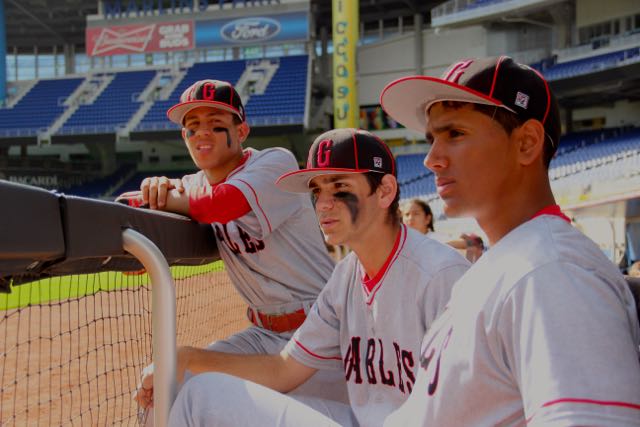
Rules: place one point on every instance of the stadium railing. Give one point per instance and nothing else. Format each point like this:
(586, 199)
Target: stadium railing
(75, 312)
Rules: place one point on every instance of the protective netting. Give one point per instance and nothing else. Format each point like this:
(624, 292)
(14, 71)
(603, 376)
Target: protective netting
(73, 347)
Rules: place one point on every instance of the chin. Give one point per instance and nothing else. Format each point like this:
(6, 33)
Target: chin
(332, 239)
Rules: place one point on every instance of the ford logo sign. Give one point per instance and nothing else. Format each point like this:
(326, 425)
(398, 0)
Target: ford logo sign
(250, 29)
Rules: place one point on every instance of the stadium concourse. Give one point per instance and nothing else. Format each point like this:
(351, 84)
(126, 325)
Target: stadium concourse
(84, 115)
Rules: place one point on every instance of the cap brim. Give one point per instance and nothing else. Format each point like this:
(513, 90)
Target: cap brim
(177, 112)
(407, 99)
(298, 181)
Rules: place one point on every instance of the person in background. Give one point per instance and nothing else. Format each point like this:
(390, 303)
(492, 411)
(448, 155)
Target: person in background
(418, 215)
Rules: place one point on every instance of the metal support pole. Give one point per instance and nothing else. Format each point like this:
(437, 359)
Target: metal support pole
(163, 319)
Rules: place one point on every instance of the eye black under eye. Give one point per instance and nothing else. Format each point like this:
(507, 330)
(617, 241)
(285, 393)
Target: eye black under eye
(219, 129)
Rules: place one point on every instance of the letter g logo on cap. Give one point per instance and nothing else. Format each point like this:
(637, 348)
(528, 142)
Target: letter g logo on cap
(324, 153)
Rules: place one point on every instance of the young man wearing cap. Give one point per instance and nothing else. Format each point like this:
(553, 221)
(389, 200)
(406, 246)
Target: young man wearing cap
(370, 318)
(269, 240)
(542, 329)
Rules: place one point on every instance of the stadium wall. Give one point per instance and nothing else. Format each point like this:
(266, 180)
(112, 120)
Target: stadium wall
(621, 113)
(594, 11)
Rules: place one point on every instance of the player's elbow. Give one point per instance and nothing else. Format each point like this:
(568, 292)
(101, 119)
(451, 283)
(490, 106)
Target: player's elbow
(288, 373)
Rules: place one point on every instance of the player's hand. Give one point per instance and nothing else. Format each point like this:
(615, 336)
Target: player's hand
(144, 392)
(154, 190)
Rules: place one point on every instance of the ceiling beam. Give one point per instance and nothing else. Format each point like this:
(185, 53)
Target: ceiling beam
(38, 21)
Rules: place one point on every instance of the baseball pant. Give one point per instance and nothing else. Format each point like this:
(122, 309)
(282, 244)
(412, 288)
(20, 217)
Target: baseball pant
(220, 400)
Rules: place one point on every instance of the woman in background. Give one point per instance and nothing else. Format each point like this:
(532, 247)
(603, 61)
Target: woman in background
(418, 215)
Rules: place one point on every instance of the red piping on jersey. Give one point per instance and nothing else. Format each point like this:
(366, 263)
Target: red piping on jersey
(245, 157)
(257, 202)
(552, 210)
(315, 355)
(371, 286)
(589, 402)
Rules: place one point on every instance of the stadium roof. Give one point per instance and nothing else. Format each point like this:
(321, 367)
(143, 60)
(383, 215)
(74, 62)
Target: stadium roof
(48, 23)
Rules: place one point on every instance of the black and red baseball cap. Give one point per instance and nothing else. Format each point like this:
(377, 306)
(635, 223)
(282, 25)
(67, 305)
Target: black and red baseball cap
(207, 93)
(340, 151)
(498, 81)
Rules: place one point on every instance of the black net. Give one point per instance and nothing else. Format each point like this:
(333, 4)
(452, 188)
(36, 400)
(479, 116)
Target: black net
(73, 347)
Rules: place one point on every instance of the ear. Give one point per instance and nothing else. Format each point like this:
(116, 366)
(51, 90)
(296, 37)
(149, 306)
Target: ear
(243, 131)
(530, 138)
(387, 191)
(184, 135)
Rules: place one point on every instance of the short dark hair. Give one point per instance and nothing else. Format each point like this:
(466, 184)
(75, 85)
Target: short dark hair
(426, 209)
(509, 122)
(375, 179)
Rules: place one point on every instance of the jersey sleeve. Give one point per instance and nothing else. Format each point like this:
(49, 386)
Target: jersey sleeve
(568, 339)
(317, 342)
(438, 291)
(271, 205)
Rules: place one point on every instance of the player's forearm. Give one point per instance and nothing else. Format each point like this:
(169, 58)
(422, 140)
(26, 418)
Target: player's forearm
(273, 371)
(177, 202)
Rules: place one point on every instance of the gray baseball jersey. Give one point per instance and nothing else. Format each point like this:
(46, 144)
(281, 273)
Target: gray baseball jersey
(373, 327)
(275, 255)
(542, 330)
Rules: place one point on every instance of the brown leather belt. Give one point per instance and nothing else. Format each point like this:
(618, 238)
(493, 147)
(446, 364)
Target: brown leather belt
(277, 322)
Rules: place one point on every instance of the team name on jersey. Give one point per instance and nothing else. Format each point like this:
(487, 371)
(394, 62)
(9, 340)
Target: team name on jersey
(431, 357)
(249, 244)
(365, 361)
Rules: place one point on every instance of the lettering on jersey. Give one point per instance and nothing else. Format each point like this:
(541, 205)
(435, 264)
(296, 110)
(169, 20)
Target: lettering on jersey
(352, 361)
(371, 354)
(324, 153)
(408, 364)
(249, 244)
(428, 359)
(374, 366)
(385, 377)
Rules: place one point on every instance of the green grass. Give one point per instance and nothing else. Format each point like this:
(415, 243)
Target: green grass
(61, 288)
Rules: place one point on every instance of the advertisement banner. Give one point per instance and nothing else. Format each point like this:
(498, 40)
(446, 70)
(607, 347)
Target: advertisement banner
(140, 38)
(254, 30)
(345, 39)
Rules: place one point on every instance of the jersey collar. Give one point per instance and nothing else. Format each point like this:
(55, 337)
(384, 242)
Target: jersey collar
(370, 284)
(552, 210)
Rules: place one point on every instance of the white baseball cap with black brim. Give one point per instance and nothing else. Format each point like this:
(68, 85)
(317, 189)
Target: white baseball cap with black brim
(339, 152)
(207, 93)
(499, 81)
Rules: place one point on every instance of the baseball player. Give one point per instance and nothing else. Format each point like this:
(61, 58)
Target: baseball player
(542, 330)
(369, 319)
(269, 240)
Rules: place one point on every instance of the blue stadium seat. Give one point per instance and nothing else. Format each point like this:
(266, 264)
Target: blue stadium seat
(114, 106)
(38, 109)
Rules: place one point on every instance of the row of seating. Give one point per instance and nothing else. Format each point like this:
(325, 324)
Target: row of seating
(283, 102)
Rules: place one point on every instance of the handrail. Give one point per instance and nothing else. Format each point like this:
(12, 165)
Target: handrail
(163, 319)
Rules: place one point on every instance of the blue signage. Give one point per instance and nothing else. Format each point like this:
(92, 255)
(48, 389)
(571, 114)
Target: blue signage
(293, 26)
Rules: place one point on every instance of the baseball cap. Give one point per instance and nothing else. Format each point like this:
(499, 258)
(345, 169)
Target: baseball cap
(498, 81)
(207, 93)
(340, 151)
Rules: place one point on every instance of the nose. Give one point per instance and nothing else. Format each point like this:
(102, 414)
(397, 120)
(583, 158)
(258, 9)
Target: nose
(435, 159)
(324, 202)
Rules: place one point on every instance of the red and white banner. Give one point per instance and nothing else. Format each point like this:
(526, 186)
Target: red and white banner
(140, 38)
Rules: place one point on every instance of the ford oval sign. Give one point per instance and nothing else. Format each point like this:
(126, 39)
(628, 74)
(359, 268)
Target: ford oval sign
(250, 29)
